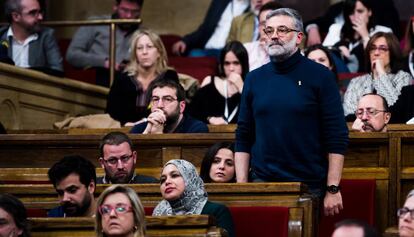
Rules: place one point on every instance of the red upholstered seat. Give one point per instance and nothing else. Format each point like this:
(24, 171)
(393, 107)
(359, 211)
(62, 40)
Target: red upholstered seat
(197, 67)
(260, 221)
(148, 210)
(168, 40)
(359, 203)
(36, 212)
(88, 75)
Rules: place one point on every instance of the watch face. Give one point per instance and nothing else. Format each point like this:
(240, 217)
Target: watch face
(333, 189)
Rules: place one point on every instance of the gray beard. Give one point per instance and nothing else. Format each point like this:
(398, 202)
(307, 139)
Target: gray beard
(281, 52)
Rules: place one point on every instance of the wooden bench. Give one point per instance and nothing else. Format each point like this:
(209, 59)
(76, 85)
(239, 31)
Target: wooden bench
(249, 195)
(192, 225)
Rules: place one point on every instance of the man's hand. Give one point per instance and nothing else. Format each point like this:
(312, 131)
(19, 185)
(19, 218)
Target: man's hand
(179, 47)
(156, 121)
(332, 203)
(313, 36)
(217, 121)
(118, 66)
(358, 125)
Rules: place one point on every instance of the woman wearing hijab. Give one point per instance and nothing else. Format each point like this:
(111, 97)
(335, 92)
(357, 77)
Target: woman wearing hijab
(184, 194)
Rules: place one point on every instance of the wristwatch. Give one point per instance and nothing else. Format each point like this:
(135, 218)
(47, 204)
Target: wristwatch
(333, 189)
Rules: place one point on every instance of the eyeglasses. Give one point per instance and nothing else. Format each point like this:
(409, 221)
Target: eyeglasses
(281, 31)
(114, 161)
(381, 48)
(402, 211)
(371, 112)
(33, 13)
(165, 100)
(119, 209)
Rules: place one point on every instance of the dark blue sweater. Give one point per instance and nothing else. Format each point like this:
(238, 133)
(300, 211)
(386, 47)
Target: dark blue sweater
(290, 118)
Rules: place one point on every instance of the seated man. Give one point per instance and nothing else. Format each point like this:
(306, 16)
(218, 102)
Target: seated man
(245, 28)
(211, 35)
(29, 44)
(118, 160)
(372, 114)
(90, 45)
(257, 49)
(354, 228)
(167, 110)
(74, 179)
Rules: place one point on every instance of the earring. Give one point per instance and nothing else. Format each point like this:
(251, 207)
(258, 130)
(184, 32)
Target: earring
(135, 228)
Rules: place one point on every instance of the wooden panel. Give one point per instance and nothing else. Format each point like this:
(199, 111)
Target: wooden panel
(191, 225)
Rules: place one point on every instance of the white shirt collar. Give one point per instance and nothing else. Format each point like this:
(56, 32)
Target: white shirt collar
(29, 39)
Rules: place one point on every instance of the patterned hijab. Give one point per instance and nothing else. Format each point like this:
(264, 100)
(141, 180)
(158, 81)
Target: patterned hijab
(193, 198)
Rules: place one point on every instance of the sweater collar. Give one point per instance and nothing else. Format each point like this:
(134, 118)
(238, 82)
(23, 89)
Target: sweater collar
(289, 63)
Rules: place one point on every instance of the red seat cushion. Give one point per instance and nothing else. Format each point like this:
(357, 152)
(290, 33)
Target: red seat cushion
(260, 221)
(358, 198)
(197, 67)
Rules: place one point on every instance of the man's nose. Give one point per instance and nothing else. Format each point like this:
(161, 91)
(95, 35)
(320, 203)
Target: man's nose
(120, 164)
(365, 116)
(40, 16)
(66, 197)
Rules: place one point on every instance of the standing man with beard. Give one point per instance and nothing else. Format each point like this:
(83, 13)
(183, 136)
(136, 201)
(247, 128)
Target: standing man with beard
(29, 44)
(118, 159)
(90, 44)
(74, 179)
(291, 125)
(167, 104)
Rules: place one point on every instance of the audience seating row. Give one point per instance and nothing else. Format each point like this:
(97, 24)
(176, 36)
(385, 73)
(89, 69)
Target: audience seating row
(192, 225)
(278, 209)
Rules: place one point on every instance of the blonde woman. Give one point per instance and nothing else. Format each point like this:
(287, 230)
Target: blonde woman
(127, 96)
(120, 213)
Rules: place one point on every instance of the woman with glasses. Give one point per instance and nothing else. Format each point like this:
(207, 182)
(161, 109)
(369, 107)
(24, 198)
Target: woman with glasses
(217, 102)
(120, 213)
(385, 76)
(352, 35)
(184, 194)
(218, 164)
(127, 97)
(406, 217)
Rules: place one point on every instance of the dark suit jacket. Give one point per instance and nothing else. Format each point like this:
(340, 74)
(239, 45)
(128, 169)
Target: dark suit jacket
(43, 52)
(199, 38)
(403, 109)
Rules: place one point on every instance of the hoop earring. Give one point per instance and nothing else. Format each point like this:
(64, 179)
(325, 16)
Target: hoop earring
(135, 228)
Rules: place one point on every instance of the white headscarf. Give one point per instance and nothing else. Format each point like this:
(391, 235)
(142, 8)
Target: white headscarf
(193, 198)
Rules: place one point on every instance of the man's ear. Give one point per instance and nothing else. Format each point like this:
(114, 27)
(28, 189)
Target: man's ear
(182, 106)
(134, 157)
(91, 187)
(15, 16)
(299, 38)
(387, 117)
(102, 162)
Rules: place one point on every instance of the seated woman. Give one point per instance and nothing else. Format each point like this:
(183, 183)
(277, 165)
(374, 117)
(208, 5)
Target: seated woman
(218, 164)
(13, 217)
(127, 100)
(184, 194)
(385, 78)
(217, 102)
(120, 213)
(409, 47)
(406, 217)
(351, 37)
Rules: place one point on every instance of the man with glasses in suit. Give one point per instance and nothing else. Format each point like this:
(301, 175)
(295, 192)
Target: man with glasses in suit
(118, 159)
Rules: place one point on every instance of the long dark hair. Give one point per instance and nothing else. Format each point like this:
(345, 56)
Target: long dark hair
(395, 53)
(209, 158)
(328, 54)
(15, 208)
(347, 32)
(409, 37)
(241, 54)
